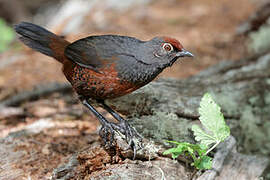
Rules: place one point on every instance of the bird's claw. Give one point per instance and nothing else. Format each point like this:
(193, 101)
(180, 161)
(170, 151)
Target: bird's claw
(106, 131)
(132, 137)
(129, 132)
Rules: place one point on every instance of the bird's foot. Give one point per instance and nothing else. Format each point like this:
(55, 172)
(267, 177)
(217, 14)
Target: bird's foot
(107, 132)
(129, 132)
(132, 137)
(108, 129)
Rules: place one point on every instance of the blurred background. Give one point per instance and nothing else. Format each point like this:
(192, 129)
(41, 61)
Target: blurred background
(206, 28)
(213, 30)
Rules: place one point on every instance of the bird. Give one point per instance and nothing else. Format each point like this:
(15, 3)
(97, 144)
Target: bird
(102, 67)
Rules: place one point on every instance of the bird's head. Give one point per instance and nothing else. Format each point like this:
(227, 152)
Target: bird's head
(163, 51)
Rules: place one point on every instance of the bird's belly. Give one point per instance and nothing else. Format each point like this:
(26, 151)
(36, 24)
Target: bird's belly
(104, 84)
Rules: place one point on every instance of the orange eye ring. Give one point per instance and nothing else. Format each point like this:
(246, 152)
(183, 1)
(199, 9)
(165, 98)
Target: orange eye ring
(167, 47)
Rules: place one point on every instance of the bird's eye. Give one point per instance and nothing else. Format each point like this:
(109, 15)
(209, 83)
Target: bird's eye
(167, 47)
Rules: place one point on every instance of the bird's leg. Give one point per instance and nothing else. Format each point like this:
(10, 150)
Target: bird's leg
(123, 126)
(107, 127)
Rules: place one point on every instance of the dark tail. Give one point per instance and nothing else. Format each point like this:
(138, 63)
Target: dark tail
(42, 40)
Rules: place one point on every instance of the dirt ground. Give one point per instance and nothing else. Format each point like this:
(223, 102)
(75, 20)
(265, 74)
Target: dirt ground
(205, 28)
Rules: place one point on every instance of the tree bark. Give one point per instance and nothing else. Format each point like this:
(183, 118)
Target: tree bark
(165, 110)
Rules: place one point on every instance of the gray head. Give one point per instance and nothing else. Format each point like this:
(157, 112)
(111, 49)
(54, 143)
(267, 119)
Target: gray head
(151, 57)
(162, 51)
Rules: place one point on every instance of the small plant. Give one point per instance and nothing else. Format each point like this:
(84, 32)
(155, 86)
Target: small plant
(214, 131)
(7, 35)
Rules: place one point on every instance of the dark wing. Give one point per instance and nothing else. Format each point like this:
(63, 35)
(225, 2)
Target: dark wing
(96, 51)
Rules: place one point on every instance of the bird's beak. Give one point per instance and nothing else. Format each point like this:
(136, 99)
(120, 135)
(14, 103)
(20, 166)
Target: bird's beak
(184, 53)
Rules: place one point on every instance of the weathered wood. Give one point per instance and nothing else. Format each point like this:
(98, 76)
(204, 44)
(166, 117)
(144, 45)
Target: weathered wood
(169, 106)
(165, 110)
(229, 164)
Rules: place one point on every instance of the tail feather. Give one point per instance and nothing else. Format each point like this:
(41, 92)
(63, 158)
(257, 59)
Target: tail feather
(41, 40)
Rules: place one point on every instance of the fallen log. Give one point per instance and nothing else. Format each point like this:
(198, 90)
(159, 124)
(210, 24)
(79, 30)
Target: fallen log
(165, 110)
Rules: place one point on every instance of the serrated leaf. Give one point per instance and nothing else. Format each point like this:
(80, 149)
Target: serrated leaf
(216, 131)
(176, 154)
(204, 162)
(186, 148)
(190, 150)
(172, 150)
(175, 151)
(201, 149)
(212, 118)
(202, 136)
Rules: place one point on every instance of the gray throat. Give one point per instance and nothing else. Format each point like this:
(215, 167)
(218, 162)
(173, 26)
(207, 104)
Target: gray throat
(138, 72)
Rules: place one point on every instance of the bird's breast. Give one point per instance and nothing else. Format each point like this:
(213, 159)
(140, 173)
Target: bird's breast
(102, 84)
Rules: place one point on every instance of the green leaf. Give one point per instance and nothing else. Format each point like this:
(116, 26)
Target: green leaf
(184, 147)
(175, 151)
(214, 131)
(172, 150)
(212, 120)
(202, 136)
(204, 162)
(7, 35)
(176, 154)
(201, 149)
